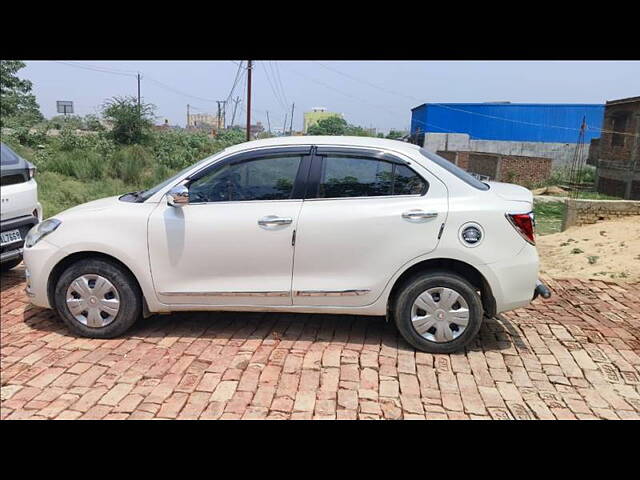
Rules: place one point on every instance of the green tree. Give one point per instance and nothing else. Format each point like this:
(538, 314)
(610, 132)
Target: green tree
(131, 123)
(16, 101)
(329, 126)
(395, 134)
(355, 131)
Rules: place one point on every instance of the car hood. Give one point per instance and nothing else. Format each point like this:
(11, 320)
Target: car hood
(509, 191)
(93, 206)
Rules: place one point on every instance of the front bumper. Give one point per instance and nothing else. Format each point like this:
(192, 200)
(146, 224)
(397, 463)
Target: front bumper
(10, 255)
(39, 261)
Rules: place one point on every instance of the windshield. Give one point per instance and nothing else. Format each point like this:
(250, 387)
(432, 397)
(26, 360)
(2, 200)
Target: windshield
(142, 196)
(455, 170)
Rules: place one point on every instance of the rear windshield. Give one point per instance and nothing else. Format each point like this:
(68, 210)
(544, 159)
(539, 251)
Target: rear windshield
(8, 156)
(455, 170)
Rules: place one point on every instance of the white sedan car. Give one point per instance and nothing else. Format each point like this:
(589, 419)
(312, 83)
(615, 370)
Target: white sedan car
(345, 225)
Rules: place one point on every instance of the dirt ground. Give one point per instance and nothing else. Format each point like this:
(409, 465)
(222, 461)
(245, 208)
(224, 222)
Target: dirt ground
(602, 251)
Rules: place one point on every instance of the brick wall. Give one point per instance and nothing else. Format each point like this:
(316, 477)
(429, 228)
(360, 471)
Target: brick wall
(526, 170)
(484, 164)
(519, 169)
(581, 212)
(618, 156)
(611, 186)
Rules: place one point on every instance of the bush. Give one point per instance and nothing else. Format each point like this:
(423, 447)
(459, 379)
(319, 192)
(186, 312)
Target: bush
(131, 123)
(74, 167)
(80, 164)
(26, 136)
(58, 192)
(178, 149)
(131, 164)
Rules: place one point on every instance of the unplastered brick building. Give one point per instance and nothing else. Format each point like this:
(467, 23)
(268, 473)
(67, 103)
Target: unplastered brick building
(617, 153)
(520, 169)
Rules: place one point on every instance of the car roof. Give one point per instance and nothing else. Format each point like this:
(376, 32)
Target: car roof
(371, 142)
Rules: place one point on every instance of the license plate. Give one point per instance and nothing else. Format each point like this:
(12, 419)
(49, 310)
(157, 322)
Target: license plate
(11, 236)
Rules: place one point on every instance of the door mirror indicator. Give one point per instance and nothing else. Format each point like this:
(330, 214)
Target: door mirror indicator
(178, 196)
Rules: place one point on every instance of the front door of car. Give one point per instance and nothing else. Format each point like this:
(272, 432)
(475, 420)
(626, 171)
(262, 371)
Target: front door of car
(372, 213)
(232, 243)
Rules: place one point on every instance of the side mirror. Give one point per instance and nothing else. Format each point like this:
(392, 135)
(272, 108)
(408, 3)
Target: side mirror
(178, 196)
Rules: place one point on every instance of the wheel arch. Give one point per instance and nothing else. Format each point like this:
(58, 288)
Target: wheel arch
(72, 258)
(465, 270)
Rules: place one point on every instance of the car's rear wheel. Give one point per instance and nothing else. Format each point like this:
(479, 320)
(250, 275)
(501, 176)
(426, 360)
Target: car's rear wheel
(438, 312)
(97, 298)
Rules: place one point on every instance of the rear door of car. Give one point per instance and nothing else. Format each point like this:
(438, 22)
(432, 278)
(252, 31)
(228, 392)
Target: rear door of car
(366, 213)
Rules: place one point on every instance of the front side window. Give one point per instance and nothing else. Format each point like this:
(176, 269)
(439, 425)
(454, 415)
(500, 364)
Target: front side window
(351, 176)
(260, 179)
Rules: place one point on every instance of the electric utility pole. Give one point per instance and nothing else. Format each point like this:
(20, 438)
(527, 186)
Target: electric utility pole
(268, 123)
(188, 116)
(235, 106)
(249, 68)
(284, 127)
(139, 108)
(291, 124)
(221, 113)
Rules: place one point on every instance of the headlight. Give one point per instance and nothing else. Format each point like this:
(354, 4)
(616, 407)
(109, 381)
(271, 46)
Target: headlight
(40, 231)
(32, 172)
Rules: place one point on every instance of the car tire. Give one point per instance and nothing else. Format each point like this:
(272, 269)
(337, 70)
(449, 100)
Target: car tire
(5, 267)
(433, 329)
(92, 285)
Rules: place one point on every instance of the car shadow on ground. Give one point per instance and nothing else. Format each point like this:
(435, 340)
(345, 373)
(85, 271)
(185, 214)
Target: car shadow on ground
(352, 331)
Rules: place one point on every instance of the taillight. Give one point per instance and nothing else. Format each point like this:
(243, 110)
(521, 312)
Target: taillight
(524, 224)
(32, 172)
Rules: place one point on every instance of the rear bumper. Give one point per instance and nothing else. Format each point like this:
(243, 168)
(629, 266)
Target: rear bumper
(513, 280)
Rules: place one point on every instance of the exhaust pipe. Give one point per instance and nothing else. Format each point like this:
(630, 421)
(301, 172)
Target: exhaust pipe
(542, 290)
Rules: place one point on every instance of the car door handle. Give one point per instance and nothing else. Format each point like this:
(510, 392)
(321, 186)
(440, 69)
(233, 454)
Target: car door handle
(415, 214)
(274, 220)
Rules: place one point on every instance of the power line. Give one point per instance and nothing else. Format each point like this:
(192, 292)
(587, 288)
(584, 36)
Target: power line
(343, 93)
(468, 111)
(179, 92)
(235, 81)
(279, 81)
(98, 69)
(278, 98)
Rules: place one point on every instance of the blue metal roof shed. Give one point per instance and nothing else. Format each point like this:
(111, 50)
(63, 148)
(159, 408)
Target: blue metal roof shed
(520, 122)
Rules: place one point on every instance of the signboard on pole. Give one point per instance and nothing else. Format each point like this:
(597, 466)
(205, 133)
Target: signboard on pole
(64, 106)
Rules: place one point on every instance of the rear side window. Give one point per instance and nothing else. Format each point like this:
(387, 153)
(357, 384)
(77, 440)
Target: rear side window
(351, 176)
(454, 169)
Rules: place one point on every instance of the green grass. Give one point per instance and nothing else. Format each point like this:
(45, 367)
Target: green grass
(597, 196)
(548, 217)
(58, 192)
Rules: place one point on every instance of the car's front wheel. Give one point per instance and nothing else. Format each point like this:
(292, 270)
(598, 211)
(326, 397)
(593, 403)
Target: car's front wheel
(438, 312)
(97, 298)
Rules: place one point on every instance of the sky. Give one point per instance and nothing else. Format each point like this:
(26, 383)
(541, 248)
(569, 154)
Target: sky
(377, 94)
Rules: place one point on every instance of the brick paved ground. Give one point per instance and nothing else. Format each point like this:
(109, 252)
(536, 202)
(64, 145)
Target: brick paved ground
(575, 356)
